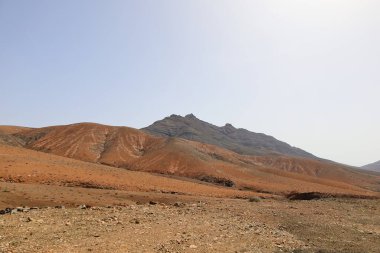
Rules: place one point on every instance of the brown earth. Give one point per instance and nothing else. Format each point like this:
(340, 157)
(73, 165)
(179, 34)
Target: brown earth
(13, 129)
(19, 165)
(196, 224)
(133, 149)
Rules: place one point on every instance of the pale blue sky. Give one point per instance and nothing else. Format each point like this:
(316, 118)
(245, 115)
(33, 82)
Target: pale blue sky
(306, 72)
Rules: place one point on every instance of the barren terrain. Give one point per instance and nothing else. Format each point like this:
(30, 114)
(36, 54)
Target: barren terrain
(194, 224)
(95, 188)
(132, 149)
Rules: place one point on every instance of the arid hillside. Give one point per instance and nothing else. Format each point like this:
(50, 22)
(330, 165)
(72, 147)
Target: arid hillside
(7, 135)
(20, 165)
(238, 140)
(132, 149)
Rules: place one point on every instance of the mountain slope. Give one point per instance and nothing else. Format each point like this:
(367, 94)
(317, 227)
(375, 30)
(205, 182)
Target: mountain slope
(20, 165)
(372, 166)
(7, 135)
(136, 150)
(239, 140)
(91, 142)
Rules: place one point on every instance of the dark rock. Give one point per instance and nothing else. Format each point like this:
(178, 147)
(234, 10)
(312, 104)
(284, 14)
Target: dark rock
(179, 204)
(28, 219)
(135, 221)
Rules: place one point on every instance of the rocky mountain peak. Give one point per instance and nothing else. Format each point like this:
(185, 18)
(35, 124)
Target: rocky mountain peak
(228, 128)
(190, 116)
(228, 125)
(238, 140)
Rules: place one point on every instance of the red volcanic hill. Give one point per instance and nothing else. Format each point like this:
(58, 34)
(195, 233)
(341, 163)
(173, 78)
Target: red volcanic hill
(20, 165)
(133, 149)
(6, 135)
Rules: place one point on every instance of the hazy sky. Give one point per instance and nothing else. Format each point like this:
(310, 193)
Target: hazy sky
(306, 72)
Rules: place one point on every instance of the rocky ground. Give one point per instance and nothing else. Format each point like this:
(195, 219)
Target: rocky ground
(205, 225)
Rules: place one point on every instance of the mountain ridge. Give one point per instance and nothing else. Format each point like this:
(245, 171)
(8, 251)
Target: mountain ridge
(133, 149)
(239, 140)
(372, 166)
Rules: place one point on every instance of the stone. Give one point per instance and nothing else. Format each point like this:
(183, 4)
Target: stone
(28, 219)
(179, 204)
(135, 221)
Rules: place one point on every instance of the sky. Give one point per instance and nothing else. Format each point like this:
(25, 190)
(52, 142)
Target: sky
(305, 72)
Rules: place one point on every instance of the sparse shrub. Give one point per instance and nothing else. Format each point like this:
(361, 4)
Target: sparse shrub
(254, 199)
(217, 180)
(305, 195)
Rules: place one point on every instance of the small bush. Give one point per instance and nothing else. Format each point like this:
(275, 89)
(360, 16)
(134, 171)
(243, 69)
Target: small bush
(305, 195)
(217, 180)
(254, 199)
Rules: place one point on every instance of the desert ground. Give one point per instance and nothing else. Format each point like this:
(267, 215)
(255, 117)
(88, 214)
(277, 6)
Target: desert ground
(126, 221)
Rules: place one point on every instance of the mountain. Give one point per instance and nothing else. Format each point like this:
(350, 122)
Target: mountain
(238, 140)
(136, 150)
(372, 166)
(7, 135)
(21, 165)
